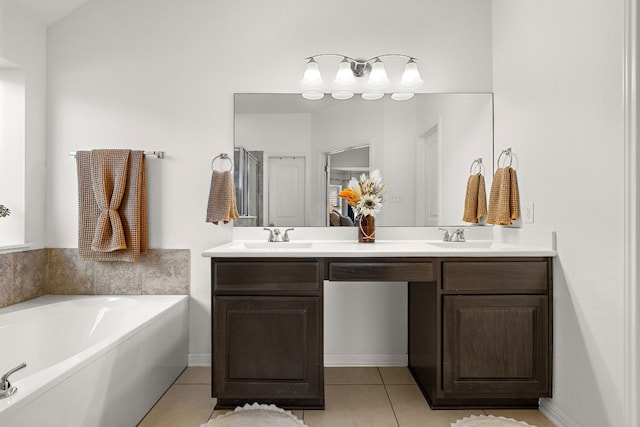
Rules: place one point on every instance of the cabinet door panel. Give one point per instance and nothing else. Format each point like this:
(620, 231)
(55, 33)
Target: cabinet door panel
(496, 344)
(267, 348)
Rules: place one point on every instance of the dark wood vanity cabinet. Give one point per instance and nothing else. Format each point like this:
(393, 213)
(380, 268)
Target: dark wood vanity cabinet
(267, 333)
(479, 328)
(493, 345)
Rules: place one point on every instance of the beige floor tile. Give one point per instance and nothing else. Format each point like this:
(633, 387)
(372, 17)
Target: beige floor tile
(353, 406)
(412, 410)
(181, 405)
(530, 416)
(195, 375)
(350, 375)
(392, 375)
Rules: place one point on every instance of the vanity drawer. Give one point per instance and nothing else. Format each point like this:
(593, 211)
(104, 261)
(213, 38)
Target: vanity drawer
(385, 271)
(496, 276)
(265, 276)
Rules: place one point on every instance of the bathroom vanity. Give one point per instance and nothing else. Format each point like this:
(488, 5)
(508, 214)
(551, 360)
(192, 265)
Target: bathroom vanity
(479, 319)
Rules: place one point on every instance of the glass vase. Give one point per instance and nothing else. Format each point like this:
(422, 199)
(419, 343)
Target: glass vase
(366, 229)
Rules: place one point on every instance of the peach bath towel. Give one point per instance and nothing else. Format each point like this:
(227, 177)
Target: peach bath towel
(504, 201)
(112, 200)
(475, 202)
(222, 198)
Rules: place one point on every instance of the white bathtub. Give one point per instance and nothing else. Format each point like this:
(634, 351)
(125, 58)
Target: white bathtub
(91, 360)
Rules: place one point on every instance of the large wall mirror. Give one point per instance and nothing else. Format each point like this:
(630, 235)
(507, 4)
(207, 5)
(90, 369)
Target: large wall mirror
(293, 156)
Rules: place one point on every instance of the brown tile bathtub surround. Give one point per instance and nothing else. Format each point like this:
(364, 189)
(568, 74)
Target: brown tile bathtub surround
(160, 272)
(22, 276)
(66, 274)
(29, 274)
(165, 271)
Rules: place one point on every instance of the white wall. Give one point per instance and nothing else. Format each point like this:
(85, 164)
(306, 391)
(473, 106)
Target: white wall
(160, 74)
(558, 83)
(23, 43)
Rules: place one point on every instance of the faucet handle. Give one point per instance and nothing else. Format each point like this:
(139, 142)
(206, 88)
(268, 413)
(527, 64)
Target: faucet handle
(6, 389)
(458, 235)
(285, 238)
(447, 236)
(271, 236)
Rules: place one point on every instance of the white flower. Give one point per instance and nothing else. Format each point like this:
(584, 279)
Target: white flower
(364, 195)
(369, 205)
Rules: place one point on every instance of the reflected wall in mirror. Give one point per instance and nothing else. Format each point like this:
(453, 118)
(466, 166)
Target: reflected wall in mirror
(307, 151)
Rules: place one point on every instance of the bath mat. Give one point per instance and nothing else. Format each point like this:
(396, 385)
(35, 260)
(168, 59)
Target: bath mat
(256, 415)
(489, 421)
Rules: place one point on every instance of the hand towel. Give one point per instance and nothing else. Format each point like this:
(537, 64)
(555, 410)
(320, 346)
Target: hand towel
(475, 202)
(504, 201)
(101, 239)
(222, 198)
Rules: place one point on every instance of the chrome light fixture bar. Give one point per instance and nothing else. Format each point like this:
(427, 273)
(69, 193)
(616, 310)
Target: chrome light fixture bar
(350, 71)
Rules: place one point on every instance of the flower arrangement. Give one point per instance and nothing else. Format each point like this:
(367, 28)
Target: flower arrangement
(4, 211)
(365, 195)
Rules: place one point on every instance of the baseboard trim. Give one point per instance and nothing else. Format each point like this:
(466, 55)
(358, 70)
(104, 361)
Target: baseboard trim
(365, 359)
(555, 414)
(199, 359)
(204, 359)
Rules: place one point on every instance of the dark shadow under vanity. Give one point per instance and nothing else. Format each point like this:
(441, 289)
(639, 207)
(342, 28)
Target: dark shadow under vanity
(480, 328)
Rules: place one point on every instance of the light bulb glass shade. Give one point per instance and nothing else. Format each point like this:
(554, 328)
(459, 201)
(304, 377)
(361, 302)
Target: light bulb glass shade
(344, 76)
(372, 96)
(411, 76)
(342, 95)
(313, 96)
(378, 76)
(402, 96)
(312, 77)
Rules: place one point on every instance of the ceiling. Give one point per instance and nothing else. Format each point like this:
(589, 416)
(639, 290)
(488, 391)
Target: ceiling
(49, 11)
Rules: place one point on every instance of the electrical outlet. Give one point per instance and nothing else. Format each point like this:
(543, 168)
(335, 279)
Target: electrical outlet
(527, 214)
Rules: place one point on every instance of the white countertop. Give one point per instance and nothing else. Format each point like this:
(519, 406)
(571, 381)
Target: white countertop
(507, 244)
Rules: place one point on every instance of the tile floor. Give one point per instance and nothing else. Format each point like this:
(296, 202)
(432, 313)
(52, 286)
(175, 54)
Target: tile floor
(371, 397)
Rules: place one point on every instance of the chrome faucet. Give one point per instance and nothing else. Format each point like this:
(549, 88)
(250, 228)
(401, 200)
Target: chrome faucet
(447, 236)
(276, 235)
(458, 235)
(6, 389)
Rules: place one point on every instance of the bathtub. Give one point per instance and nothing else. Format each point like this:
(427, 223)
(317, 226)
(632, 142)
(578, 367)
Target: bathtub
(91, 360)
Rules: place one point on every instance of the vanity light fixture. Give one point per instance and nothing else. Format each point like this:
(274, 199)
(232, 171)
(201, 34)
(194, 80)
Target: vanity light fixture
(350, 76)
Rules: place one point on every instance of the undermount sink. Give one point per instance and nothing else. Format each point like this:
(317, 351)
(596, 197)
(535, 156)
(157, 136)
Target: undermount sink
(272, 245)
(472, 244)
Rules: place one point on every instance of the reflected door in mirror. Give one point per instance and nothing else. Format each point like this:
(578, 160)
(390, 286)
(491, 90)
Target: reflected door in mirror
(286, 191)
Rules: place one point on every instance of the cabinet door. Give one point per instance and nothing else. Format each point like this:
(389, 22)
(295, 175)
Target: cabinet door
(268, 349)
(496, 345)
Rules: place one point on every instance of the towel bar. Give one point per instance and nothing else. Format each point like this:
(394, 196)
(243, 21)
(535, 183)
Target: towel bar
(158, 154)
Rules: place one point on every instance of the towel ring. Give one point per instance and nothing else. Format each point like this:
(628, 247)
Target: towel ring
(477, 162)
(506, 152)
(223, 156)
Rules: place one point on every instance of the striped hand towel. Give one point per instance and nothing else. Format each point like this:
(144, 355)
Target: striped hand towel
(504, 201)
(222, 198)
(475, 202)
